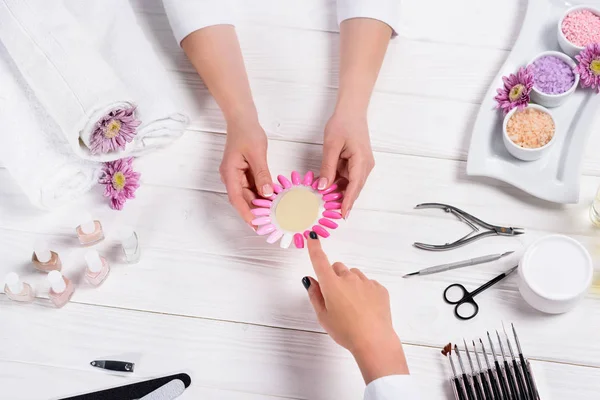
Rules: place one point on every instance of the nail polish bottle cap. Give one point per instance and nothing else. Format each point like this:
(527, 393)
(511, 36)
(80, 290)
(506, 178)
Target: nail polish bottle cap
(14, 283)
(87, 223)
(42, 251)
(93, 261)
(57, 282)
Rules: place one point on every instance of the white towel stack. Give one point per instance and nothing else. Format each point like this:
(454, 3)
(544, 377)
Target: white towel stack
(77, 61)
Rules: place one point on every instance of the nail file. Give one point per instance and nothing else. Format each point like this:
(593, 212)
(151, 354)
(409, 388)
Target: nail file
(170, 391)
(132, 391)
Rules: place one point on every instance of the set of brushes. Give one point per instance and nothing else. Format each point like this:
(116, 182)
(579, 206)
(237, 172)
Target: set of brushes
(505, 377)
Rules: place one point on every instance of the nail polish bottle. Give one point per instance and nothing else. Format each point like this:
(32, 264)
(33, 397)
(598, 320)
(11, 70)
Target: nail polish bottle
(61, 289)
(17, 290)
(43, 259)
(130, 245)
(97, 268)
(90, 231)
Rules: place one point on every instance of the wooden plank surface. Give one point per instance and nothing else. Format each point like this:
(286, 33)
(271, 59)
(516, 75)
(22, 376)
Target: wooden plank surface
(211, 298)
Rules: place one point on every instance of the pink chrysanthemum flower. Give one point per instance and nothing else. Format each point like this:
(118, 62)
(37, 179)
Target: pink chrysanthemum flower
(589, 66)
(114, 131)
(516, 90)
(121, 182)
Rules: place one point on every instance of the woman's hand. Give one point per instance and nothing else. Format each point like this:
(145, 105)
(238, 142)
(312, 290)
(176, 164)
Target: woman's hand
(346, 153)
(244, 168)
(355, 312)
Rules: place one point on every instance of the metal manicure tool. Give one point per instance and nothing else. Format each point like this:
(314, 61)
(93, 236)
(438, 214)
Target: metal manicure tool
(473, 222)
(110, 365)
(459, 264)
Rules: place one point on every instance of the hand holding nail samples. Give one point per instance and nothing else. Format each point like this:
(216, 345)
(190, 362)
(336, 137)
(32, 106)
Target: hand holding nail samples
(355, 312)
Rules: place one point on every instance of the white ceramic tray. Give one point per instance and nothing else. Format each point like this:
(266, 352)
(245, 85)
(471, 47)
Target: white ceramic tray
(555, 177)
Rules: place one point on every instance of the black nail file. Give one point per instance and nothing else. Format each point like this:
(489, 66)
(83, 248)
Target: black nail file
(132, 391)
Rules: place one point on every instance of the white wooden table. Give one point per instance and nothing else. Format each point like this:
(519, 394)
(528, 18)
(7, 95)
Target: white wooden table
(212, 299)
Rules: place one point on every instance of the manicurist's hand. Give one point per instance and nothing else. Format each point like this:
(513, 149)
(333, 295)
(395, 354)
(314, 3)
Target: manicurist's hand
(355, 312)
(244, 167)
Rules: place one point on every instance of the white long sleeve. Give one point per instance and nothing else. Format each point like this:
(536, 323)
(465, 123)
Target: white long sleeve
(387, 11)
(393, 387)
(187, 16)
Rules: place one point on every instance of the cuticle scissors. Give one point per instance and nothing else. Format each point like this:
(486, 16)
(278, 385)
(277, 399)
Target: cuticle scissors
(472, 222)
(466, 298)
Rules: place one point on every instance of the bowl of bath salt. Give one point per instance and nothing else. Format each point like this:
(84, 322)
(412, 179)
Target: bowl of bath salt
(578, 28)
(530, 133)
(554, 78)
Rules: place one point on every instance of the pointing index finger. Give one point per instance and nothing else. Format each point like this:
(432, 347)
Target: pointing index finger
(319, 260)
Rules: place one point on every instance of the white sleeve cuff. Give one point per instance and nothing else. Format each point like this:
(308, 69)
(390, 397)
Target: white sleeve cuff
(393, 387)
(187, 16)
(387, 11)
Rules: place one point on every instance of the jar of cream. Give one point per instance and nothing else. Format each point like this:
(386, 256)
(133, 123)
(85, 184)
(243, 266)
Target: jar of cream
(556, 272)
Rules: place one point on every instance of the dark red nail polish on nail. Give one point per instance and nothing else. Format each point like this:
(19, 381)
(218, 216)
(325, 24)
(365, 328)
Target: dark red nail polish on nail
(306, 282)
(313, 235)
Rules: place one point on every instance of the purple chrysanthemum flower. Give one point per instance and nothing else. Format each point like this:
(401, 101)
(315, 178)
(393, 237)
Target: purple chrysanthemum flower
(589, 66)
(516, 90)
(114, 131)
(121, 182)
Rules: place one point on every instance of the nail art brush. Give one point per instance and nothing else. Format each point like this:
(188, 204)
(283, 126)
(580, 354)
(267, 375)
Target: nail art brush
(494, 382)
(528, 378)
(476, 378)
(459, 264)
(447, 351)
(509, 375)
(501, 377)
(467, 382)
(520, 380)
(487, 389)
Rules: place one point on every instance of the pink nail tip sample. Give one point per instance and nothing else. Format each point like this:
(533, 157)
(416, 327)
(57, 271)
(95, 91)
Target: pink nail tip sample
(285, 182)
(332, 196)
(299, 241)
(308, 178)
(306, 234)
(319, 230)
(265, 229)
(329, 189)
(332, 214)
(315, 184)
(261, 221)
(333, 206)
(295, 178)
(277, 188)
(275, 236)
(261, 211)
(262, 203)
(328, 223)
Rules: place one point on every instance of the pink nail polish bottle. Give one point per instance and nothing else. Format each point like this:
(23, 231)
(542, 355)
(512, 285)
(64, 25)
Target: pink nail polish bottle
(90, 231)
(17, 290)
(97, 268)
(61, 289)
(43, 259)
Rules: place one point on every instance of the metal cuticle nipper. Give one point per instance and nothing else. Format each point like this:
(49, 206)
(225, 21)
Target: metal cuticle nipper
(473, 222)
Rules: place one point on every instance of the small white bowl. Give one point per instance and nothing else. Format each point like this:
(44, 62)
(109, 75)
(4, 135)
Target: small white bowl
(569, 48)
(523, 153)
(556, 272)
(554, 100)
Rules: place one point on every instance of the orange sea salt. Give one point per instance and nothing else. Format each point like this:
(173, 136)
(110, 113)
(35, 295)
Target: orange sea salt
(530, 128)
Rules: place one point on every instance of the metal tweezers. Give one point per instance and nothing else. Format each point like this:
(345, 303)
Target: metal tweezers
(491, 230)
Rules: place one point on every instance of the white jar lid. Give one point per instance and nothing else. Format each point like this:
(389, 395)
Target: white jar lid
(557, 268)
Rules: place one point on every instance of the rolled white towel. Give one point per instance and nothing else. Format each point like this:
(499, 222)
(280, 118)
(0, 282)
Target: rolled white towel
(80, 76)
(33, 148)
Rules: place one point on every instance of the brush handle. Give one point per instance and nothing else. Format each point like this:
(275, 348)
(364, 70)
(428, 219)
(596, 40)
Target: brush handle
(487, 389)
(503, 382)
(469, 387)
(459, 389)
(520, 381)
(511, 381)
(495, 386)
(478, 387)
(528, 378)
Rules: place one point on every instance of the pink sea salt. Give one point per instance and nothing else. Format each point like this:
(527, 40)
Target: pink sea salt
(530, 128)
(582, 27)
(551, 75)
